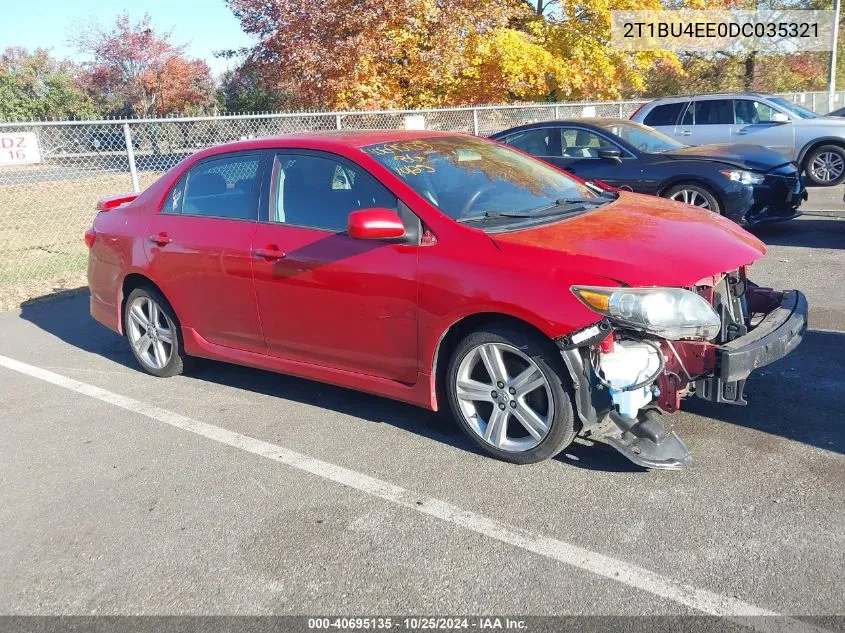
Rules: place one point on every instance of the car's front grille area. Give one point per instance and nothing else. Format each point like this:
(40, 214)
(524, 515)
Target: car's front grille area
(793, 182)
(788, 175)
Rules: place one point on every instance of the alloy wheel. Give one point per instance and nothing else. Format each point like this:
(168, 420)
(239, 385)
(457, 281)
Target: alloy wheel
(691, 196)
(827, 166)
(504, 397)
(150, 332)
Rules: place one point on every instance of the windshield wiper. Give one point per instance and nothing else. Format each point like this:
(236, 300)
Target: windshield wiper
(540, 212)
(564, 202)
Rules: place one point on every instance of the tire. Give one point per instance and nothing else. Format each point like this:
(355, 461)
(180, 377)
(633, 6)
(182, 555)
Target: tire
(831, 156)
(551, 401)
(169, 359)
(695, 192)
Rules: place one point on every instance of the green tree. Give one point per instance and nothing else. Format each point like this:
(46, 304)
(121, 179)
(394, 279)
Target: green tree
(241, 90)
(35, 85)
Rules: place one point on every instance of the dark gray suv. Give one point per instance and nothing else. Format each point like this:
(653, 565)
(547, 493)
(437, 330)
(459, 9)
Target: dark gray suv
(816, 143)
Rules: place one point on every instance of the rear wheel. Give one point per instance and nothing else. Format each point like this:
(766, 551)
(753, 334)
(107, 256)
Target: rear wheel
(509, 392)
(695, 195)
(153, 333)
(825, 165)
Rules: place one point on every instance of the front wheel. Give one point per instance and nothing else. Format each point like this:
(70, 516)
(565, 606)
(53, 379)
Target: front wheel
(509, 392)
(695, 195)
(825, 165)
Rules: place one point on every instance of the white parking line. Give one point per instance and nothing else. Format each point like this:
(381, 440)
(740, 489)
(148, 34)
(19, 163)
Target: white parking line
(567, 553)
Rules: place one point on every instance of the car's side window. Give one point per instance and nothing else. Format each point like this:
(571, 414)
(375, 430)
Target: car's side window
(666, 114)
(224, 187)
(320, 192)
(748, 112)
(175, 199)
(580, 143)
(537, 142)
(711, 112)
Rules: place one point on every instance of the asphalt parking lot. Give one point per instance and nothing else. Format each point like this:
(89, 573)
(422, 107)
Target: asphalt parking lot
(237, 491)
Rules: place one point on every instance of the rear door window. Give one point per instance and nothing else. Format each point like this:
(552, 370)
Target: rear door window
(712, 112)
(537, 142)
(223, 187)
(666, 114)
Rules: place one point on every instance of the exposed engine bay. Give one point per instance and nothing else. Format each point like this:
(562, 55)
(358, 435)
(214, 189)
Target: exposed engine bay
(634, 375)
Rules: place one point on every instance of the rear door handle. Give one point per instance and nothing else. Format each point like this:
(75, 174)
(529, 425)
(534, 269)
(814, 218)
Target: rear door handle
(161, 239)
(686, 133)
(268, 253)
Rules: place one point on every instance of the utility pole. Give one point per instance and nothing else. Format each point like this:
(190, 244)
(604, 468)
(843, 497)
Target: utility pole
(832, 85)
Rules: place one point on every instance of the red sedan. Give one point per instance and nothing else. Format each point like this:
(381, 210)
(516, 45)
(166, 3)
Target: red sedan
(446, 271)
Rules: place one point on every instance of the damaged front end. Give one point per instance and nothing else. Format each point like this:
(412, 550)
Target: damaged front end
(655, 346)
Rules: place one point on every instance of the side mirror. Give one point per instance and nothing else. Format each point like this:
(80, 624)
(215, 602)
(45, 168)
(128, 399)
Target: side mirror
(375, 224)
(611, 153)
(779, 117)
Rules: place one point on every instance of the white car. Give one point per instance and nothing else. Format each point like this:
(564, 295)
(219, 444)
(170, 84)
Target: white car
(816, 143)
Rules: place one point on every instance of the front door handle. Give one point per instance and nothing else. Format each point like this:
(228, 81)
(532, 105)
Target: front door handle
(686, 133)
(269, 253)
(161, 239)
(741, 133)
(571, 170)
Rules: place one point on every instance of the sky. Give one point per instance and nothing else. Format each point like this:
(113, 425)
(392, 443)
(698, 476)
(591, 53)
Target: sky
(204, 25)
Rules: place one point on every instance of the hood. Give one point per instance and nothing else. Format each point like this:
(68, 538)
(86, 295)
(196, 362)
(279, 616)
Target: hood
(640, 240)
(824, 120)
(754, 157)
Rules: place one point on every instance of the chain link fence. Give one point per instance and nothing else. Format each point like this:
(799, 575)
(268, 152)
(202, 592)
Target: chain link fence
(45, 206)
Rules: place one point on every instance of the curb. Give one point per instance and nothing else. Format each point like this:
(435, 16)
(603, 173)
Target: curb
(838, 214)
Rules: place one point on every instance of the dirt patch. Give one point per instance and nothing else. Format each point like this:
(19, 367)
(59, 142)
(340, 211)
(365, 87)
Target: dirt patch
(13, 295)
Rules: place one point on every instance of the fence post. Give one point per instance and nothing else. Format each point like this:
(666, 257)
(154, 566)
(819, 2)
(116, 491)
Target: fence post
(130, 153)
(557, 111)
(337, 121)
(475, 121)
(621, 116)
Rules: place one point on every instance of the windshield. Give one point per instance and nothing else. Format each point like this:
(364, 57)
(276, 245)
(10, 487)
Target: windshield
(797, 110)
(468, 177)
(643, 138)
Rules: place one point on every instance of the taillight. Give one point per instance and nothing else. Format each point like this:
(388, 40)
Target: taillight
(90, 236)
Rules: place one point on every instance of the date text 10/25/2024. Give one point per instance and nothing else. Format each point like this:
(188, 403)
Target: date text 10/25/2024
(423, 623)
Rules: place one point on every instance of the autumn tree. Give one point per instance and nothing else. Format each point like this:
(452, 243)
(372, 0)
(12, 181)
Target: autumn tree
(579, 32)
(375, 54)
(34, 85)
(136, 71)
(743, 70)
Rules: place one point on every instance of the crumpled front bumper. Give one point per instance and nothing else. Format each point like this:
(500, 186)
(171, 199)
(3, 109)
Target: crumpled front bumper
(777, 334)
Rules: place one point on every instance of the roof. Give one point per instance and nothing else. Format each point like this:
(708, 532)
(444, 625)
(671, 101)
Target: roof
(360, 138)
(340, 141)
(598, 122)
(712, 94)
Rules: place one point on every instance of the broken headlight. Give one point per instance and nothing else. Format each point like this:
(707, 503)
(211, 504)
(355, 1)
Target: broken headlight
(672, 313)
(744, 177)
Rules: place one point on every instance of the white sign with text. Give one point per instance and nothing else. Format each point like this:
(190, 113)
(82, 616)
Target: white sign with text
(19, 148)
